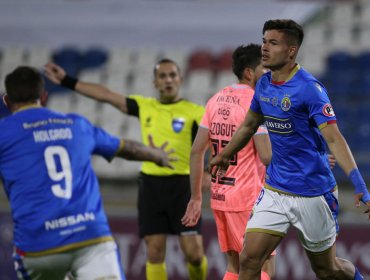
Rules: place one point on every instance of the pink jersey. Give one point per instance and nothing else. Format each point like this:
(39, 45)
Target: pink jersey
(225, 111)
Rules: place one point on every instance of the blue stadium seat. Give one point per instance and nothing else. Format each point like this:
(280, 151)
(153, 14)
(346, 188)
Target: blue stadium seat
(93, 58)
(340, 60)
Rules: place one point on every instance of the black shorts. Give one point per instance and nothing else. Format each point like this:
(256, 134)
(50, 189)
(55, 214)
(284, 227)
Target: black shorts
(162, 203)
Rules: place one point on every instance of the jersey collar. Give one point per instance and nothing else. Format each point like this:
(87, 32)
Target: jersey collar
(292, 73)
(26, 107)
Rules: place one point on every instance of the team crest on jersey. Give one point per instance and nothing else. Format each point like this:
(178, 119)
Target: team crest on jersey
(286, 103)
(327, 110)
(178, 124)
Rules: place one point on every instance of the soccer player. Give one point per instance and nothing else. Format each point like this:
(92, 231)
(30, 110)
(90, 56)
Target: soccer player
(300, 189)
(60, 226)
(233, 195)
(163, 193)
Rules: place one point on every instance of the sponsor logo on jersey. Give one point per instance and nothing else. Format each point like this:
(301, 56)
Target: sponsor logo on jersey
(229, 99)
(178, 124)
(273, 101)
(280, 126)
(286, 104)
(148, 122)
(327, 110)
(69, 221)
(264, 99)
(224, 112)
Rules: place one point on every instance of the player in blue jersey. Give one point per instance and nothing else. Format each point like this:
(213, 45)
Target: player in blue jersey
(60, 225)
(300, 189)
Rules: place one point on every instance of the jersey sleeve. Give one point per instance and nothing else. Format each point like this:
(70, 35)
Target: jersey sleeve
(105, 145)
(132, 107)
(318, 104)
(262, 129)
(255, 105)
(134, 103)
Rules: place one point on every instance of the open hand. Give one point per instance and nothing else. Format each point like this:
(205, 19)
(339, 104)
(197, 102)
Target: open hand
(164, 158)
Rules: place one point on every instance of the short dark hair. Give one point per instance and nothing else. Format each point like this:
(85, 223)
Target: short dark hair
(246, 57)
(289, 27)
(162, 61)
(24, 84)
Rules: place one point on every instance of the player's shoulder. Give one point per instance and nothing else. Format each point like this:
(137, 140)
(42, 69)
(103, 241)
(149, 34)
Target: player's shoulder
(263, 82)
(310, 82)
(143, 99)
(190, 104)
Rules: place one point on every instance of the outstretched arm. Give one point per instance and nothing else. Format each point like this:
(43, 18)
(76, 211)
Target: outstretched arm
(342, 153)
(58, 76)
(194, 208)
(133, 150)
(244, 133)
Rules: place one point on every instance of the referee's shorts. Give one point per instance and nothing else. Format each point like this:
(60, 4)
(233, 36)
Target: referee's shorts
(162, 203)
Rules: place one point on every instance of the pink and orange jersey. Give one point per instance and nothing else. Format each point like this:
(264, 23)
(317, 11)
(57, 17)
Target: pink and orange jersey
(239, 188)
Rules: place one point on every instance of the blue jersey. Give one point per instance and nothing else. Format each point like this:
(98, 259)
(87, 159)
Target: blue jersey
(47, 175)
(294, 112)
(4, 110)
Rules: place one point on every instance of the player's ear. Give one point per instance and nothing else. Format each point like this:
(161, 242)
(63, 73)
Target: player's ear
(44, 98)
(7, 102)
(248, 74)
(293, 51)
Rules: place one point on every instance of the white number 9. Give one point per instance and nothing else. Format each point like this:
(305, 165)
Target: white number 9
(65, 172)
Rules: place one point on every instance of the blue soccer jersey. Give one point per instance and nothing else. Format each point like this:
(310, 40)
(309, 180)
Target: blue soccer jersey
(294, 112)
(47, 175)
(4, 110)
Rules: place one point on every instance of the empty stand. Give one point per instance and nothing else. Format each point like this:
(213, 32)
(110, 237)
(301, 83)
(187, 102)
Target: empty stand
(199, 86)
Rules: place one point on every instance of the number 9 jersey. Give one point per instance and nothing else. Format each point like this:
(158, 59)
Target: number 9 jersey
(45, 166)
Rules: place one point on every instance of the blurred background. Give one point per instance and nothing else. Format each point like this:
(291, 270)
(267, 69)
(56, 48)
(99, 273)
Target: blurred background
(117, 42)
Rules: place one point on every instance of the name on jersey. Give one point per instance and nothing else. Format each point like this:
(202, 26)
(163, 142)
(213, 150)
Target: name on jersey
(52, 135)
(280, 126)
(69, 221)
(223, 129)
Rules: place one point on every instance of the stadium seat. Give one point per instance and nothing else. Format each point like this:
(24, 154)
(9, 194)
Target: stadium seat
(38, 56)
(340, 60)
(223, 61)
(93, 58)
(180, 56)
(199, 86)
(61, 102)
(224, 78)
(11, 58)
(200, 59)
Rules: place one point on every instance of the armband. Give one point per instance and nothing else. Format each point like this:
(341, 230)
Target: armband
(69, 82)
(359, 184)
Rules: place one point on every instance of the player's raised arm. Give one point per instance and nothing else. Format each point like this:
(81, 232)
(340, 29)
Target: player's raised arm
(58, 76)
(194, 208)
(244, 133)
(133, 150)
(342, 153)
